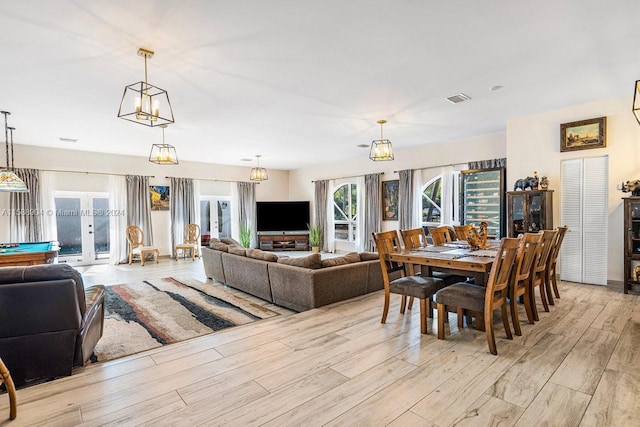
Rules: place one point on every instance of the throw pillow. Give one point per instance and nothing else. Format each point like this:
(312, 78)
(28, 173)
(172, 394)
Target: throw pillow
(369, 256)
(237, 250)
(349, 258)
(258, 254)
(230, 241)
(311, 261)
(219, 246)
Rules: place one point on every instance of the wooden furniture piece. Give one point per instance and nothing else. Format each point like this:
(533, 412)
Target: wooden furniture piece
(413, 286)
(550, 274)
(537, 277)
(519, 286)
(441, 235)
(284, 242)
(5, 377)
(481, 301)
(135, 237)
(631, 242)
(529, 211)
(28, 253)
(462, 231)
(190, 244)
(483, 199)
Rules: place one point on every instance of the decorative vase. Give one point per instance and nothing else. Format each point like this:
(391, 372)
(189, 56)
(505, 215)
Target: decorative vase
(315, 249)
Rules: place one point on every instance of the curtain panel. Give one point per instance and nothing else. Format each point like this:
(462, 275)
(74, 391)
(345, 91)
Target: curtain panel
(405, 199)
(247, 208)
(373, 217)
(488, 164)
(139, 205)
(182, 206)
(25, 220)
(320, 210)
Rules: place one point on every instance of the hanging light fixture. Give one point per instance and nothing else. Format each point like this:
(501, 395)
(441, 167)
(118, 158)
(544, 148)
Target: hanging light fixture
(163, 154)
(636, 101)
(9, 181)
(145, 103)
(381, 148)
(258, 173)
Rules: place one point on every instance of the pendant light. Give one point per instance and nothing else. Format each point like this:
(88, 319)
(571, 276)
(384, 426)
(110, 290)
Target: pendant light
(145, 103)
(381, 149)
(9, 181)
(163, 154)
(258, 173)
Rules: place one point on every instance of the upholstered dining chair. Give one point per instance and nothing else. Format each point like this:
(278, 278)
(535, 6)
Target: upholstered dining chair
(463, 231)
(480, 301)
(5, 377)
(441, 235)
(550, 279)
(519, 286)
(135, 237)
(419, 287)
(190, 244)
(537, 277)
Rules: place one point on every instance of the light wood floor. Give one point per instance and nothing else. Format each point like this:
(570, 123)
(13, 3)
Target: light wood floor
(338, 366)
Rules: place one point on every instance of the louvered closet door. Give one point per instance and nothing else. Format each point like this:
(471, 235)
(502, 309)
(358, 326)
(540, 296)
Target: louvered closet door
(584, 210)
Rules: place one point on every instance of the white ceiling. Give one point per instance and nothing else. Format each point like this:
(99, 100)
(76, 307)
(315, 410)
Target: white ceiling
(303, 81)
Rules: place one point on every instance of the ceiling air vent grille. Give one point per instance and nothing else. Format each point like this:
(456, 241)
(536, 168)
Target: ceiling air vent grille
(456, 99)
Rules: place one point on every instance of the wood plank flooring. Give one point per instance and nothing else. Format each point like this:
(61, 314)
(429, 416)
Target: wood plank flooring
(337, 366)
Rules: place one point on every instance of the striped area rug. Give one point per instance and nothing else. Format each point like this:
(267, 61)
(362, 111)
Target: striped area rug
(152, 313)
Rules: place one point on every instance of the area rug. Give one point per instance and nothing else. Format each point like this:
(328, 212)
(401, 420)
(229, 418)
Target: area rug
(152, 313)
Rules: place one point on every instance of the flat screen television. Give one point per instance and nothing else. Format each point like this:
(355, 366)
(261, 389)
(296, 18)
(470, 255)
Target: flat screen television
(279, 217)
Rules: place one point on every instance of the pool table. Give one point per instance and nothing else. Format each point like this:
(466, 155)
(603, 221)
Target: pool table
(27, 253)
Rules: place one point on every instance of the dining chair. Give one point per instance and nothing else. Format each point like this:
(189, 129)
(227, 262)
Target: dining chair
(135, 237)
(519, 286)
(550, 273)
(441, 235)
(419, 287)
(463, 231)
(480, 301)
(537, 276)
(5, 377)
(191, 235)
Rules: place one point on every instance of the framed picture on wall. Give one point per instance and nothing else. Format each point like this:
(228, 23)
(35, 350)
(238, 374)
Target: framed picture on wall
(583, 135)
(390, 200)
(159, 197)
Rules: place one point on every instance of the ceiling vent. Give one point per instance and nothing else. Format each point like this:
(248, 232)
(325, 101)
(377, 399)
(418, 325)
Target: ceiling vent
(456, 99)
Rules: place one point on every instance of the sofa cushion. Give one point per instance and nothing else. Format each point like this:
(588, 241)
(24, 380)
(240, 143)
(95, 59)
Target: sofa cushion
(230, 241)
(369, 256)
(237, 250)
(349, 258)
(218, 245)
(258, 254)
(311, 261)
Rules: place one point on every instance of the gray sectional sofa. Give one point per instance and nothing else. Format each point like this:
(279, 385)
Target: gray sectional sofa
(296, 283)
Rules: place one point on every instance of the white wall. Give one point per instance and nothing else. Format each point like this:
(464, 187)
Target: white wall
(533, 143)
(27, 156)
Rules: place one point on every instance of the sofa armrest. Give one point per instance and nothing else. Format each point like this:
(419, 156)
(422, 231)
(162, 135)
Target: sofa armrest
(93, 324)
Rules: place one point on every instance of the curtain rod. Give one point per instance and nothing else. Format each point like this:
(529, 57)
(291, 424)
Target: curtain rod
(216, 180)
(436, 166)
(92, 173)
(343, 177)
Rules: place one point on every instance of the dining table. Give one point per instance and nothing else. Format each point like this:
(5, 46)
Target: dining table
(454, 258)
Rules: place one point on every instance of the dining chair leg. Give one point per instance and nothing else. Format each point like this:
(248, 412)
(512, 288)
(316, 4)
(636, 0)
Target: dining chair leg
(385, 310)
(554, 282)
(488, 326)
(403, 303)
(532, 303)
(547, 288)
(430, 307)
(441, 315)
(423, 315)
(157, 252)
(460, 315)
(514, 316)
(543, 296)
(505, 321)
(527, 308)
(410, 302)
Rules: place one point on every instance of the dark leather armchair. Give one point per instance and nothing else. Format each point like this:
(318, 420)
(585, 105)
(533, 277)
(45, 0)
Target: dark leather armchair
(49, 322)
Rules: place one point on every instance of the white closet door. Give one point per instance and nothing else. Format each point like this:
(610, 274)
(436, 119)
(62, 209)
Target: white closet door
(584, 209)
(571, 216)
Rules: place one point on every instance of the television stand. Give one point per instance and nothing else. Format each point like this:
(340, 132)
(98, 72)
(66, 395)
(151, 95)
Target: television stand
(284, 242)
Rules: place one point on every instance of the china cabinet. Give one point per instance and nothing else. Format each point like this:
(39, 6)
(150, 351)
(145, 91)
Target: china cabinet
(529, 211)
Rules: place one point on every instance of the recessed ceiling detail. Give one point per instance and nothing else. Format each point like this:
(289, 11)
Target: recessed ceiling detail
(456, 99)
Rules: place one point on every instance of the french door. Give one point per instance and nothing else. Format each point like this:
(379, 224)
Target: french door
(82, 222)
(215, 217)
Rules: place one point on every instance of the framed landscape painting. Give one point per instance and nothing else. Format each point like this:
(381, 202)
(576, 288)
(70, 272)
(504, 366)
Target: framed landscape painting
(390, 200)
(583, 135)
(159, 197)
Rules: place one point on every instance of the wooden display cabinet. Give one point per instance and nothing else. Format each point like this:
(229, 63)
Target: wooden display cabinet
(631, 242)
(529, 211)
(284, 242)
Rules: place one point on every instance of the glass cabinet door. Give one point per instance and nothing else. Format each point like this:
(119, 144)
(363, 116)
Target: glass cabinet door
(518, 210)
(535, 212)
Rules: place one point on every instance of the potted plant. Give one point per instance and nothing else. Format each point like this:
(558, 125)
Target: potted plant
(245, 236)
(315, 237)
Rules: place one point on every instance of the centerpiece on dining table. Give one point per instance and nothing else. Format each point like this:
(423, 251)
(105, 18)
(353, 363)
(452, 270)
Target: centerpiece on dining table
(478, 239)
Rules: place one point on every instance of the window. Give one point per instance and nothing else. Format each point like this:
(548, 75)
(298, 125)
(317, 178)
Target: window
(432, 201)
(345, 210)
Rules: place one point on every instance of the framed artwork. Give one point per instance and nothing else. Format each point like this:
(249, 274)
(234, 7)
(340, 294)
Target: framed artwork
(583, 135)
(159, 197)
(390, 200)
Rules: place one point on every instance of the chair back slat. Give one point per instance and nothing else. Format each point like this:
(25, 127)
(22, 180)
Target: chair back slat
(414, 238)
(526, 254)
(135, 236)
(191, 233)
(440, 235)
(544, 250)
(386, 242)
(556, 245)
(500, 274)
(463, 231)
